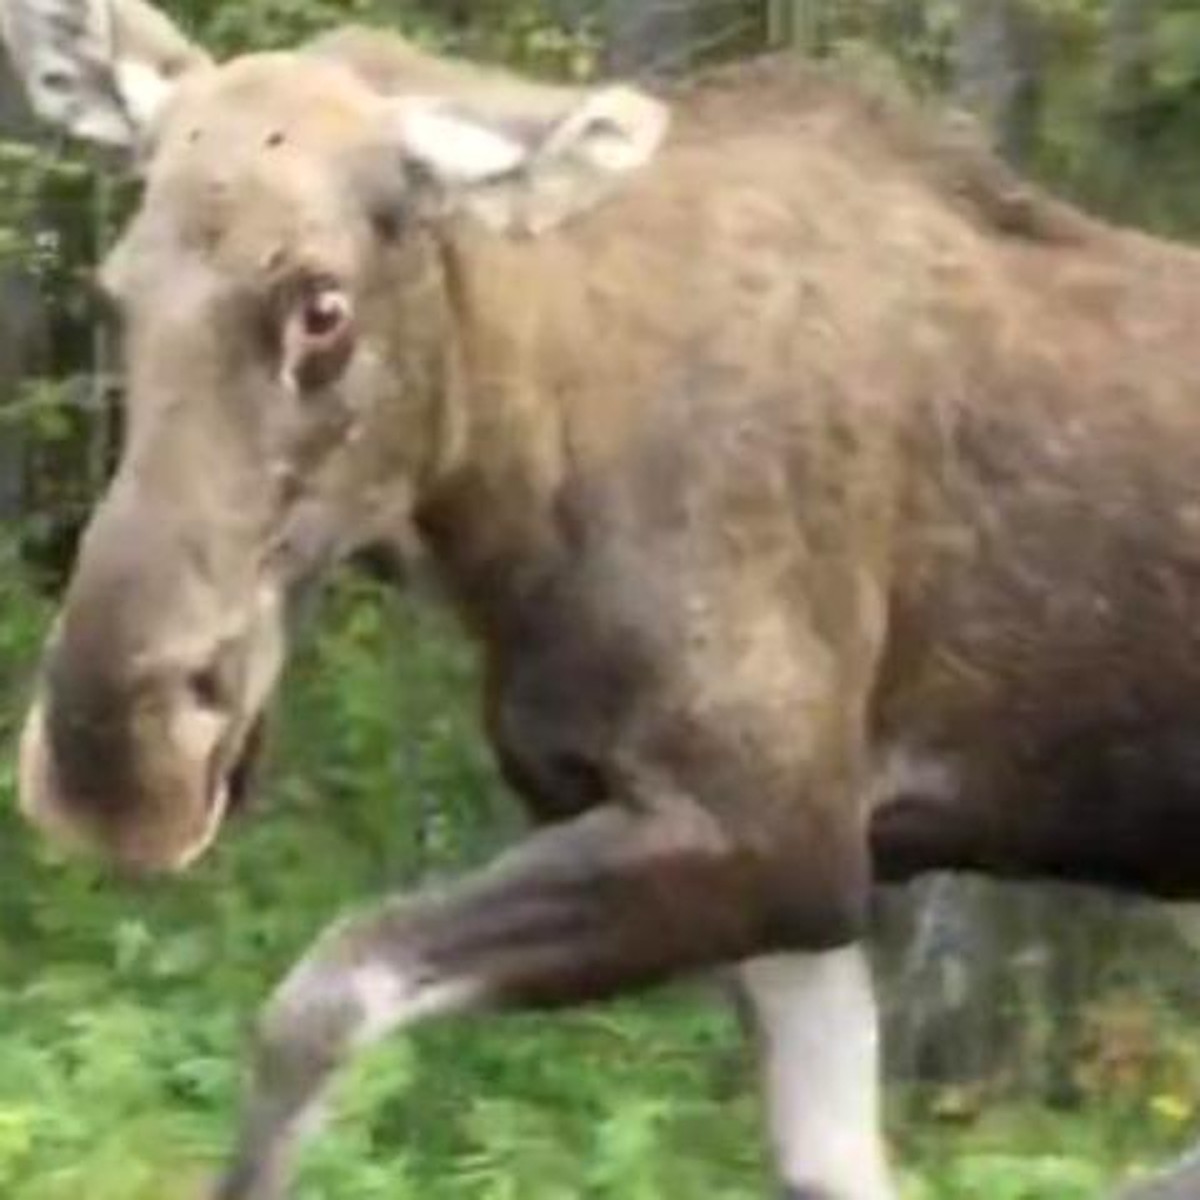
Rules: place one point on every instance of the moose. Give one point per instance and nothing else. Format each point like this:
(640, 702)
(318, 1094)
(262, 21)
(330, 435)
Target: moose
(824, 501)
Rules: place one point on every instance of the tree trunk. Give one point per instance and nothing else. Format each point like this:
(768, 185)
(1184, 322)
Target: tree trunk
(648, 38)
(1130, 120)
(1130, 53)
(21, 327)
(999, 72)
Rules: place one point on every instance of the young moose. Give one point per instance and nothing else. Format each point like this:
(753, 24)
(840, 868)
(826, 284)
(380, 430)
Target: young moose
(825, 503)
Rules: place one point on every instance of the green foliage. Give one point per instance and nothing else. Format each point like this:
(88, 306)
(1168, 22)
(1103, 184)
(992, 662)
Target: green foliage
(1120, 143)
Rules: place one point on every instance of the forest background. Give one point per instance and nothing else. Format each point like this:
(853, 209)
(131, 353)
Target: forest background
(1042, 1041)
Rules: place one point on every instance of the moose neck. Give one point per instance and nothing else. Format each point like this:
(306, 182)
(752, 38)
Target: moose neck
(488, 516)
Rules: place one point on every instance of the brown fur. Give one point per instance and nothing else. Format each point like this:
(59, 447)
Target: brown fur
(855, 385)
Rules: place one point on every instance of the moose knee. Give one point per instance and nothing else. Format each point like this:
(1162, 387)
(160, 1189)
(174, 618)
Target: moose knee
(309, 1025)
(819, 907)
(361, 981)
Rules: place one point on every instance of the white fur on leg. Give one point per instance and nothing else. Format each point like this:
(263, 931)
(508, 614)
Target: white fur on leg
(820, 1049)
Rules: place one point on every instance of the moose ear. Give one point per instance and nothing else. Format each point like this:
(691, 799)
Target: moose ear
(99, 69)
(528, 171)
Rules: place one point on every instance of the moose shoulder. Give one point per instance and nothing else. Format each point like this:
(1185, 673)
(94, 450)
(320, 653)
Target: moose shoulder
(825, 501)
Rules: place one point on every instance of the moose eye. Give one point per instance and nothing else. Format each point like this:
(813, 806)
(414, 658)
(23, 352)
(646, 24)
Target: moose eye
(318, 337)
(324, 313)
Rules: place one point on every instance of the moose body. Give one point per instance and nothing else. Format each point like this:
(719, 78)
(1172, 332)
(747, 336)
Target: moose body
(825, 503)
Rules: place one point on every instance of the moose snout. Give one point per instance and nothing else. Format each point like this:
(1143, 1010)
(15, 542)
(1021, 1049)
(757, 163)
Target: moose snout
(154, 680)
(135, 770)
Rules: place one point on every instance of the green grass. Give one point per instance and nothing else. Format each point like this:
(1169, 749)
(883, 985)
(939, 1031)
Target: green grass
(123, 1009)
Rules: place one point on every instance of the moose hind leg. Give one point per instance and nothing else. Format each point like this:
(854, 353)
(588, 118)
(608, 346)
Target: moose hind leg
(617, 898)
(816, 1025)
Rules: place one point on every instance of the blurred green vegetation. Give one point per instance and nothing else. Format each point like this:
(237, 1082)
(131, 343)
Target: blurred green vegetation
(1098, 98)
(123, 1009)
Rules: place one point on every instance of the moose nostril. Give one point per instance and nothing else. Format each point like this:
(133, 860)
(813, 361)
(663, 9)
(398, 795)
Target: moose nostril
(206, 687)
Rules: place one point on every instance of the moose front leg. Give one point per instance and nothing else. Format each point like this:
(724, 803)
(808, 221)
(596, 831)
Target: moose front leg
(617, 898)
(817, 1030)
